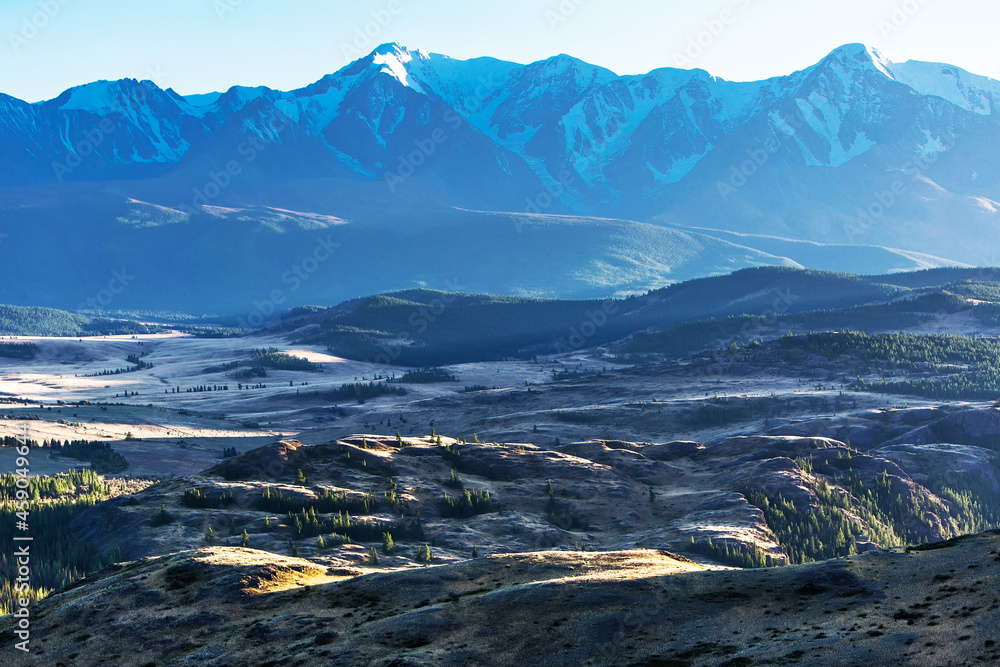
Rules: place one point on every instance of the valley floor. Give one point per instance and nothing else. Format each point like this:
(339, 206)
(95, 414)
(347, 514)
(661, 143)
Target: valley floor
(605, 508)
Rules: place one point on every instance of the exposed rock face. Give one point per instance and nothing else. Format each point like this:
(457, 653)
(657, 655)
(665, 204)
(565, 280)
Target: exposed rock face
(973, 427)
(221, 606)
(598, 494)
(924, 462)
(672, 450)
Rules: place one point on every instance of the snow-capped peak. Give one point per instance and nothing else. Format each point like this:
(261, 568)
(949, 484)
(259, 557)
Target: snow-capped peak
(860, 56)
(393, 59)
(972, 92)
(202, 99)
(104, 96)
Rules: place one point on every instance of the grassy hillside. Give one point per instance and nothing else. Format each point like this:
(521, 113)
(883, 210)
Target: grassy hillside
(27, 321)
(425, 328)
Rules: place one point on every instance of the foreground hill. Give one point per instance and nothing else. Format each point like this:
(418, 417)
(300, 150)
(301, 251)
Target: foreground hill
(933, 605)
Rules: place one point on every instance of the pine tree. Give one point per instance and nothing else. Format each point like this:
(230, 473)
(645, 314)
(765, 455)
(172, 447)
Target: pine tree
(245, 539)
(388, 546)
(300, 477)
(210, 536)
(373, 556)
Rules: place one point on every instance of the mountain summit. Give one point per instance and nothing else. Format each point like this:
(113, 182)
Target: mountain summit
(855, 150)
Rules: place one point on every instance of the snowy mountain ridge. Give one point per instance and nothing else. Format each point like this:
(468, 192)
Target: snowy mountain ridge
(407, 130)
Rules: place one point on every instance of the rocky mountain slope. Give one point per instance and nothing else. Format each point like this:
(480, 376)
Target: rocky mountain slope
(401, 150)
(493, 134)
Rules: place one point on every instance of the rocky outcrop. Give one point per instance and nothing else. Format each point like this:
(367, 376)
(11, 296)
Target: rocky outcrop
(979, 428)
(943, 462)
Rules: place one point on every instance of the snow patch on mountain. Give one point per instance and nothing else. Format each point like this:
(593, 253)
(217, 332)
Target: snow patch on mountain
(202, 99)
(394, 62)
(932, 147)
(978, 94)
(826, 119)
(100, 97)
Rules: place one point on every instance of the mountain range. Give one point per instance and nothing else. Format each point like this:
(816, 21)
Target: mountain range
(437, 170)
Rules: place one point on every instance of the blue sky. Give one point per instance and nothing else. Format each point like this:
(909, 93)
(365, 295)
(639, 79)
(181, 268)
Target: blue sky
(204, 45)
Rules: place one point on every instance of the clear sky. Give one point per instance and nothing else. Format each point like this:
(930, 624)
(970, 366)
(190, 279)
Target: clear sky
(199, 46)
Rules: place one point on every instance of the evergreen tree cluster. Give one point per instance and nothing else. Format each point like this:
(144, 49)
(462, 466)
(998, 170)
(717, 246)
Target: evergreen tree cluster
(103, 459)
(361, 392)
(137, 365)
(470, 503)
(343, 527)
(858, 506)
(734, 555)
(941, 366)
(198, 499)
(563, 515)
(427, 376)
(59, 557)
(327, 501)
(271, 358)
(23, 351)
(212, 387)
(32, 321)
